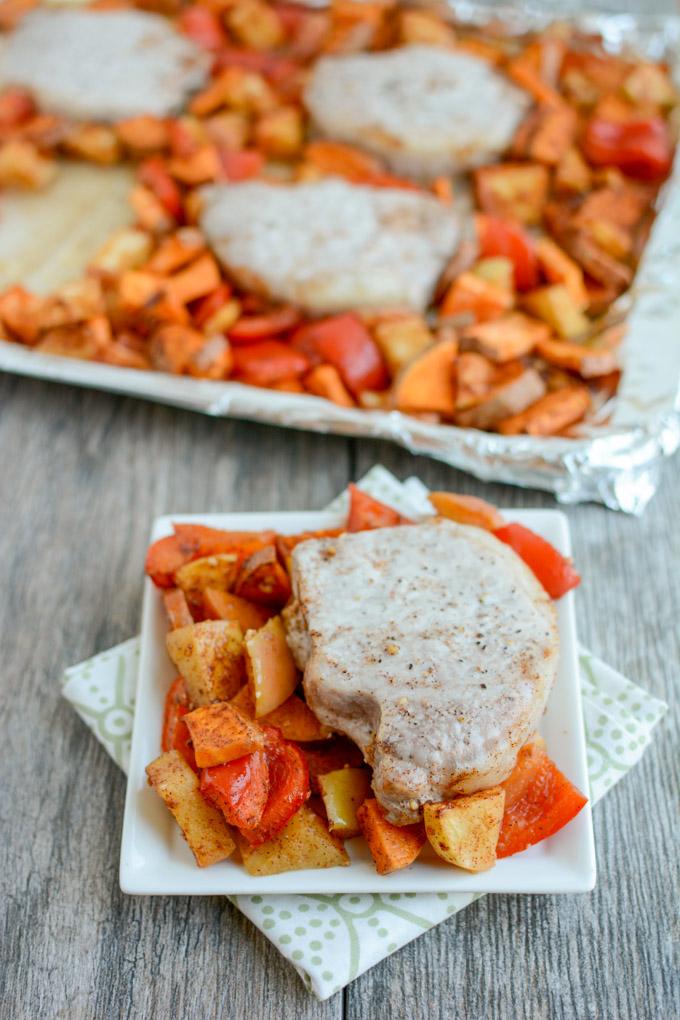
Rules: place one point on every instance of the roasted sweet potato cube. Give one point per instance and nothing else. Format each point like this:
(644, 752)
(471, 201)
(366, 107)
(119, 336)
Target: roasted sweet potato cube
(209, 655)
(325, 381)
(263, 580)
(466, 510)
(20, 313)
(272, 673)
(200, 278)
(392, 846)
(221, 733)
(513, 191)
(514, 389)
(588, 361)
(144, 134)
(558, 267)
(280, 133)
(177, 608)
(202, 825)
(401, 339)
(511, 336)
(549, 415)
(474, 379)
(216, 572)
(305, 842)
(471, 297)
(223, 605)
(343, 792)
(572, 173)
(176, 251)
(427, 383)
(296, 721)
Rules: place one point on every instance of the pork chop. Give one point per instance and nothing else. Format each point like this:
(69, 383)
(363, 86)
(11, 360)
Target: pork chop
(102, 65)
(432, 646)
(330, 245)
(425, 110)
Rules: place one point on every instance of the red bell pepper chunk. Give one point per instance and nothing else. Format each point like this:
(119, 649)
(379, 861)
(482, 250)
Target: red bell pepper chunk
(203, 26)
(206, 307)
(288, 786)
(344, 341)
(269, 324)
(239, 789)
(539, 801)
(640, 148)
(16, 107)
(555, 572)
(268, 362)
(175, 735)
(191, 542)
(502, 238)
(154, 175)
(366, 513)
(240, 165)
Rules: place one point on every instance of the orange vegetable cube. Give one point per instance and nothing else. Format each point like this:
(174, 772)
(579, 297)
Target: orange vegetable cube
(466, 510)
(392, 846)
(220, 733)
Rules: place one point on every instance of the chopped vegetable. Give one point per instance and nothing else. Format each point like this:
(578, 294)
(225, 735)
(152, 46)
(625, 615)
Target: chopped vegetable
(392, 847)
(428, 383)
(641, 148)
(464, 831)
(268, 362)
(343, 792)
(209, 655)
(220, 733)
(344, 341)
(555, 572)
(549, 415)
(272, 674)
(500, 237)
(177, 608)
(239, 789)
(366, 513)
(288, 787)
(223, 605)
(466, 510)
(304, 842)
(263, 580)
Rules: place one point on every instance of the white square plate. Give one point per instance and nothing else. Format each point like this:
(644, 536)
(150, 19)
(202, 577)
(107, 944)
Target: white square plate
(155, 860)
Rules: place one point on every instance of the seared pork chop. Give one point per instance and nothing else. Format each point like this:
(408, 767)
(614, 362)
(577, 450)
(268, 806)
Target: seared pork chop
(102, 65)
(424, 109)
(432, 646)
(330, 245)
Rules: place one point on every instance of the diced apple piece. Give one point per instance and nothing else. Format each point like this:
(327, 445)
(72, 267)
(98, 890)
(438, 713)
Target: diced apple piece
(202, 825)
(343, 792)
(220, 733)
(209, 655)
(560, 268)
(218, 572)
(272, 674)
(515, 191)
(649, 83)
(466, 510)
(417, 27)
(402, 339)
(177, 608)
(556, 306)
(465, 831)
(305, 842)
(496, 269)
(127, 248)
(392, 846)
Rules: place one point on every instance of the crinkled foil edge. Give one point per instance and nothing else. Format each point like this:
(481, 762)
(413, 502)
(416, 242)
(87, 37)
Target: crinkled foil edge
(618, 465)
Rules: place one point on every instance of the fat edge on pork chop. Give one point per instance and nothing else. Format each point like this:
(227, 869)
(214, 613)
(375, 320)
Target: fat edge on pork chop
(432, 646)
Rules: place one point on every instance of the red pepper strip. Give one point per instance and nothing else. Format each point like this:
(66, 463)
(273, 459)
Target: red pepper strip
(268, 362)
(203, 26)
(345, 342)
(260, 327)
(501, 238)
(153, 174)
(539, 801)
(555, 572)
(176, 734)
(288, 786)
(366, 513)
(16, 107)
(640, 148)
(239, 789)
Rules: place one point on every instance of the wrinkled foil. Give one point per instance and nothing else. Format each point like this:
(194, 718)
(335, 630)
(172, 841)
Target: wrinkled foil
(618, 464)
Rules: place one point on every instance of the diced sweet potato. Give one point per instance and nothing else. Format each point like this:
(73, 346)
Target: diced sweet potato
(214, 360)
(255, 24)
(197, 280)
(558, 267)
(143, 135)
(547, 134)
(176, 251)
(263, 580)
(280, 133)
(466, 510)
(515, 191)
(549, 415)
(555, 305)
(202, 825)
(19, 313)
(177, 608)
(296, 721)
(222, 605)
(474, 379)
(150, 214)
(326, 381)
(589, 362)
(343, 792)
(173, 346)
(427, 383)
(209, 655)
(221, 733)
(217, 572)
(305, 842)
(392, 846)
(511, 336)
(272, 673)
(401, 339)
(236, 88)
(512, 391)
(469, 296)
(464, 831)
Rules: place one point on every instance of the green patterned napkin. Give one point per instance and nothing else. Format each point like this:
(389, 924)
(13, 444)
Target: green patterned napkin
(330, 940)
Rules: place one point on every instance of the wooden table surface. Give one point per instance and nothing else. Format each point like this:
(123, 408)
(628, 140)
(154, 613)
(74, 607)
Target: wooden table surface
(83, 474)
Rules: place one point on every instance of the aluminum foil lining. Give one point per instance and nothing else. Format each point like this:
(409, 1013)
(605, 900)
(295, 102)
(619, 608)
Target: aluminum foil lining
(617, 464)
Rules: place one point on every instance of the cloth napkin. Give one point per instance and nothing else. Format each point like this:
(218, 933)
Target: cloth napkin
(330, 940)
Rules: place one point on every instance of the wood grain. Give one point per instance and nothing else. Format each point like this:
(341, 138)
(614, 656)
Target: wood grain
(83, 476)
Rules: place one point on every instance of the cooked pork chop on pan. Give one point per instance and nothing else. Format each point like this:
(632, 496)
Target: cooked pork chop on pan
(432, 646)
(330, 245)
(425, 110)
(102, 65)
